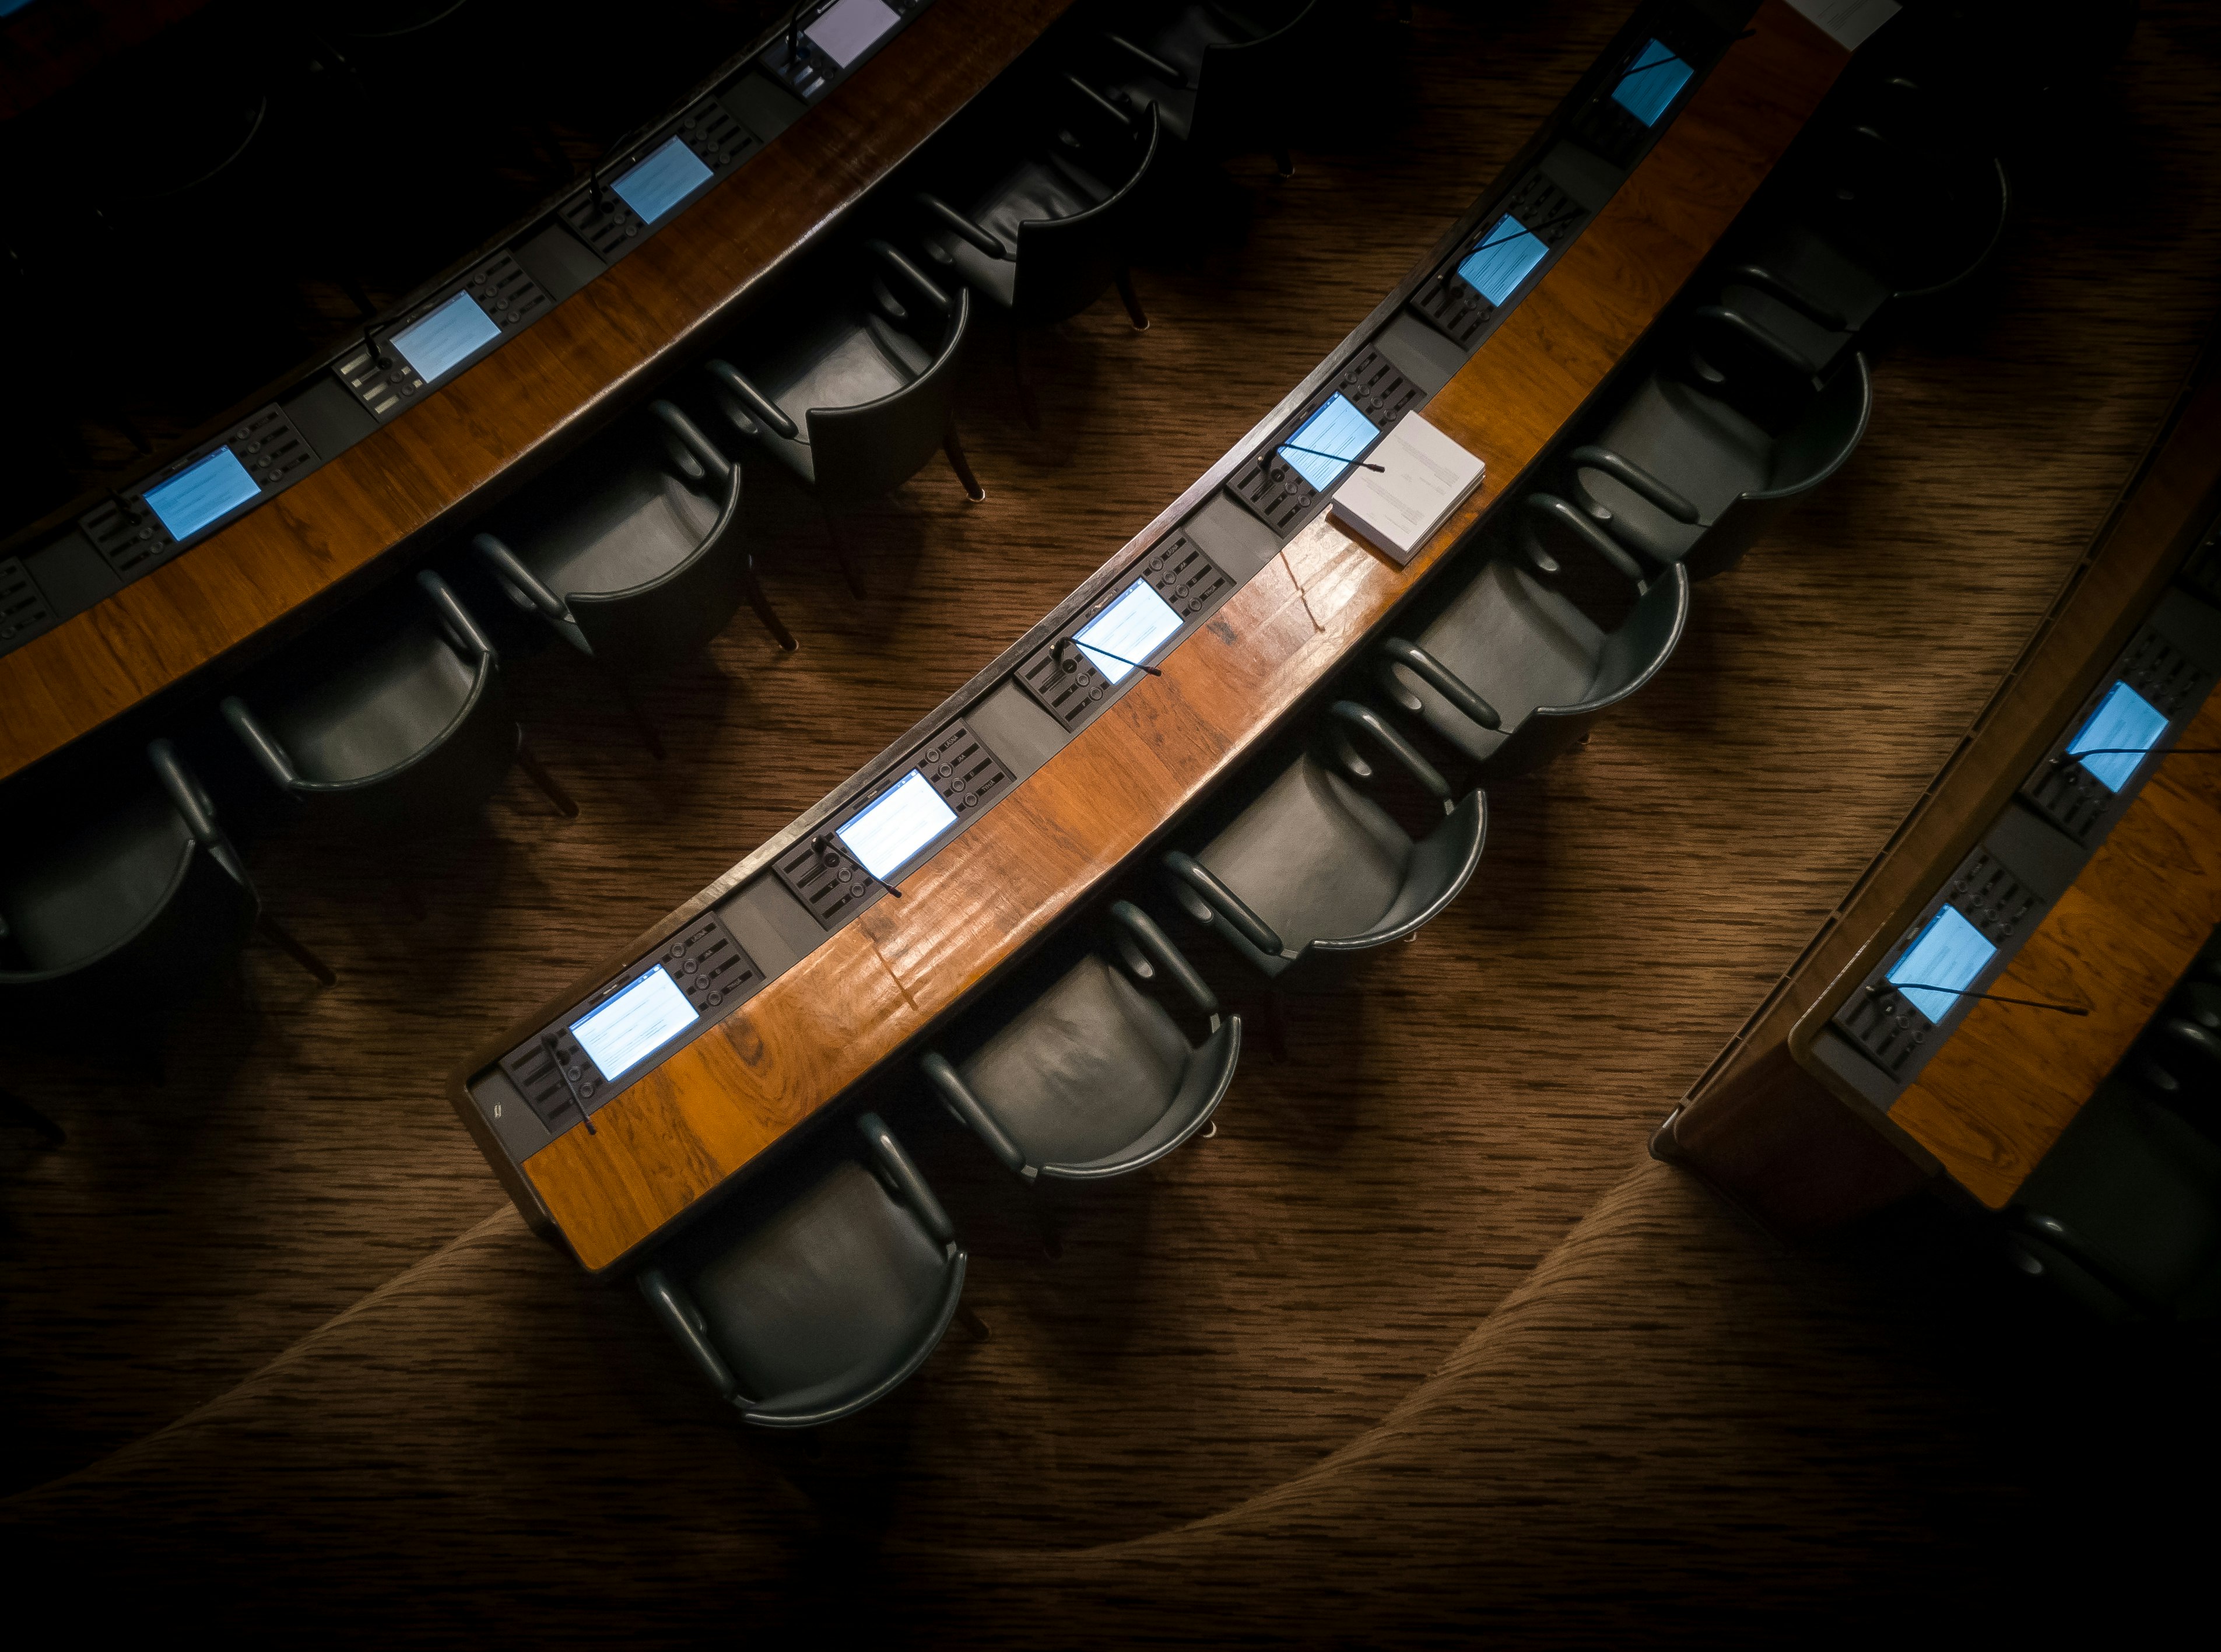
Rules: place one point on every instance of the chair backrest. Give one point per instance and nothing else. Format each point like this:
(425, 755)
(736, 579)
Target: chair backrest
(669, 619)
(1242, 85)
(863, 452)
(1805, 454)
(1065, 264)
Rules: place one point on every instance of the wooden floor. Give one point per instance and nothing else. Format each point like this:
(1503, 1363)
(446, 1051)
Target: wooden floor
(1421, 1344)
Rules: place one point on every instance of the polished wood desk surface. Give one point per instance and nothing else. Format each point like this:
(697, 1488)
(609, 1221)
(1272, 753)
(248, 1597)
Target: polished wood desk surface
(675, 1136)
(1996, 1096)
(516, 411)
(1768, 1129)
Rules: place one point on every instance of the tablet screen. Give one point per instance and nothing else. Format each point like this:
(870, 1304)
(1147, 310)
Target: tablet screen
(900, 822)
(1950, 953)
(1496, 268)
(671, 172)
(630, 1027)
(1322, 447)
(2123, 718)
(446, 336)
(1124, 635)
(1651, 84)
(200, 493)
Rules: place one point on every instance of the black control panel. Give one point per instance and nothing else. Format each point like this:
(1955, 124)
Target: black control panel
(552, 1072)
(24, 610)
(2068, 790)
(1611, 123)
(131, 536)
(1061, 676)
(1274, 488)
(386, 375)
(1536, 207)
(600, 215)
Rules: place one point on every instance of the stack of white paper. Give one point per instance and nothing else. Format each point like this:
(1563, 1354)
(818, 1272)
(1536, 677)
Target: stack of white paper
(1424, 477)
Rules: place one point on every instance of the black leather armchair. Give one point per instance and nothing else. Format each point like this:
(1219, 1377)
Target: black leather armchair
(397, 721)
(1093, 1079)
(1314, 866)
(855, 399)
(814, 1298)
(1222, 80)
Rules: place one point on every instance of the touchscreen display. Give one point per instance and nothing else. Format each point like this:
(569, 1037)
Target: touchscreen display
(1651, 84)
(1337, 430)
(204, 490)
(849, 28)
(1950, 953)
(1496, 268)
(671, 172)
(1138, 622)
(630, 1027)
(901, 823)
(2123, 718)
(446, 336)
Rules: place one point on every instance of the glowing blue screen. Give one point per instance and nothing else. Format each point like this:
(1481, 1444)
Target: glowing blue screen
(204, 490)
(670, 175)
(1950, 953)
(901, 823)
(1337, 429)
(1130, 628)
(2123, 717)
(445, 337)
(1652, 82)
(627, 1029)
(1500, 263)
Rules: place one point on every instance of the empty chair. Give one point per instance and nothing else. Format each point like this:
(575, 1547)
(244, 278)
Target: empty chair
(1048, 235)
(854, 400)
(635, 557)
(1314, 865)
(1515, 667)
(1683, 473)
(114, 916)
(398, 721)
(1092, 1078)
(2124, 1214)
(1222, 82)
(808, 1297)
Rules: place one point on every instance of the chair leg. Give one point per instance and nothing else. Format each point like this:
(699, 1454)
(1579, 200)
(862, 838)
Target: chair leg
(769, 615)
(1282, 159)
(268, 929)
(850, 570)
(529, 761)
(1134, 312)
(1276, 1024)
(973, 1322)
(16, 1110)
(960, 465)
(1052, 1238)
(649, 737)
(1018, 373)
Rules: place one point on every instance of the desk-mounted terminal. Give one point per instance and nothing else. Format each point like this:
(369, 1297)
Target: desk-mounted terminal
(441, 335)
(1618, 121)
(1292, 474)
(586, 1055)
(24, 610)
(1135, 619)
(190, 497)
(1493, 265)
(630, 193)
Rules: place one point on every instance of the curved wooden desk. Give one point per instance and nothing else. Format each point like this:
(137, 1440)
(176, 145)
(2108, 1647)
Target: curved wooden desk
(513, 413)
(876, 986)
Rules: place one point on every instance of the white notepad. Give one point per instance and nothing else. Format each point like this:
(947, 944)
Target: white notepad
(1424, 477)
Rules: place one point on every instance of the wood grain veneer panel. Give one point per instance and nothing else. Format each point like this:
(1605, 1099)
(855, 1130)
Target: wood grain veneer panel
(1996, 1096)
(1059, 834)
(517, 410)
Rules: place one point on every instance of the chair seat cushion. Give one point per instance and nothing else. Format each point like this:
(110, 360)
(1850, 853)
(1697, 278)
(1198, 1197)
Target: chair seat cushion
(1697, 445)
(1313, 856)
(83, 893)
(622, 529)
(376, 711)
(841, 1280)
(1088, 1068)
(1515, 641)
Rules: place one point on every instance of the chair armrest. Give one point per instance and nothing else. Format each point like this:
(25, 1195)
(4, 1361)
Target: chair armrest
(1223, 902)
(2050, 1230)
(455, 619)
(1097, 102)
(1757, 275)
(1149, 60)
(523, 585)
(1760, 339)
(685, 1322)
(1629, 474)
(1549, 507)
(275, 761)
(1354, 714)
(1444, 681)
(196, 807)
(899, 1170)
(1159, 946)
(920, 282)
(957, 224)
(690, 436)
(942, 1075)
(759, 404)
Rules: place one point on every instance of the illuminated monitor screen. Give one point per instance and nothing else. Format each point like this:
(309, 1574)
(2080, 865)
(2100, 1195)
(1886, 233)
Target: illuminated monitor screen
(671, 172)
(202, 491)
(1651, 84)
(1950, 953)
(850, 28)
(901, 823)
(443, 338)
(630, 1027)
(1130, 629)
(2123, 718)
(1501, 262)
(1338, 429)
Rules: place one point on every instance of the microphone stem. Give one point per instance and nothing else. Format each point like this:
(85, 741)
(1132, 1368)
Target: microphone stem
(1290, 448)
(1089, 648)
(1994, 997)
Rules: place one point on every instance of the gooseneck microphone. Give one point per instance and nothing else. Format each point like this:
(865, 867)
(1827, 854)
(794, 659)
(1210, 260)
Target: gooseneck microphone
(1880, 987)
(1363, 464)
(1090, 648)
(830, 851)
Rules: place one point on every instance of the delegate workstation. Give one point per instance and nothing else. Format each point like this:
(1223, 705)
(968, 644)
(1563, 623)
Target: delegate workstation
(1137, 736)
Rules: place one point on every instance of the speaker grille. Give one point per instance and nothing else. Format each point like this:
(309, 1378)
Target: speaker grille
(1272, 487)
(1542, 209)
(1064, 679)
